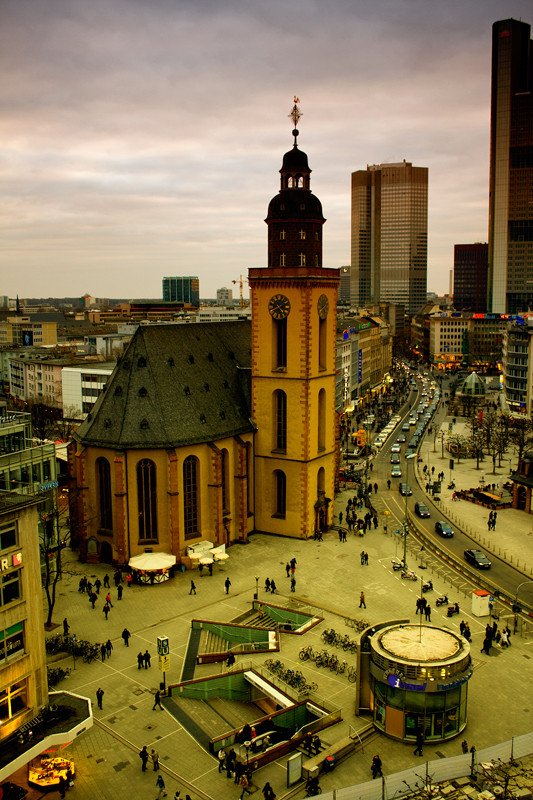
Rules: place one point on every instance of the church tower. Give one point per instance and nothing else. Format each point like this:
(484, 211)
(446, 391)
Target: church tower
(294, 302)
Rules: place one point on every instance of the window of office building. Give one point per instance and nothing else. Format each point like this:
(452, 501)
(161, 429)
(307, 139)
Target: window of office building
(13, 700)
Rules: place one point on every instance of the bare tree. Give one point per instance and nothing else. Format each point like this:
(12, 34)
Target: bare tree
(52, 541)
(520, 434)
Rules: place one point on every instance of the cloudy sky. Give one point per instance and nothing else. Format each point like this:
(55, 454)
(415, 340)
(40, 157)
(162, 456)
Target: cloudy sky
(143, 138)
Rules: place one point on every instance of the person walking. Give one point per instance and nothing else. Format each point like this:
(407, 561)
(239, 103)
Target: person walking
(140, 660)
(375, 488)
(464, 746)
(103, 651)
(120, 589)
(143, 755)
(288, 569)
(272, 587)
(155, 758)
(106, 610)
(108, 599)
(99, 696)
(267, 585)
(93, 598)
(147, 659)
(157, 701)
(427, 612)
(221, 755)
(192, 590)
(126, 636)
(243, 783)
(97, 585)
(66, 627)
(227, 584)
(376, 767)
(293, 584)
(419, 742)
(268, 792)
(362, 603)
(160, 785)
(106, 581)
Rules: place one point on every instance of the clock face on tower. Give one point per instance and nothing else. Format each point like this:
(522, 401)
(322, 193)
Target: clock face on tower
(279, 306)
(323, 306)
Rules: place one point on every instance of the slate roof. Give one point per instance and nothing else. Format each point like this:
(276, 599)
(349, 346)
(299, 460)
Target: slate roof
(175, 385)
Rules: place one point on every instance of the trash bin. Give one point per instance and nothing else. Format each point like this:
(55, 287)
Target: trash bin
(329, 763)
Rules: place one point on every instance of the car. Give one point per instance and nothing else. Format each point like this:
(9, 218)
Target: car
(413, 421)
(405, 426)
(396, 471)
(421, 510)
(477, 559)
(405, 489)
(443, 529)
(401, 438)
(396, 448)
(395, 458)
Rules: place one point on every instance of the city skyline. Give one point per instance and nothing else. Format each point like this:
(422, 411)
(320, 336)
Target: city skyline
(143, 141)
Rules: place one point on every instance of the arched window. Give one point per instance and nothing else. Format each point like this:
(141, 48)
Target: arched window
(322, 419)
(322, 343)
(225, 481)
(190, 497)
(147, 499)
(105, 507)
(280, 420)
(321, 482)
(280, 493)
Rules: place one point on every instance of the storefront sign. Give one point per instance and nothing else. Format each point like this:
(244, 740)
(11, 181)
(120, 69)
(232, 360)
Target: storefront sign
(360, 366)
(396, 682)
(14, 560)
(11, 641)
(443, 687)
(50, 485)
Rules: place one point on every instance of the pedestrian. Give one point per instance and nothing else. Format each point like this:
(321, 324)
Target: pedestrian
(99, 696)
(89, 587)
(155, 758)
(366, 561)
(157, 701)
(462, 626)
(427, 612)
(126, 636)
(106, 581)
(362, 603)
(221, 755)
(143, 755)
(140, 660)
(160, 785)
(489, 521)
(486, 646)
(293, 563)
(62, 786)
(268, 792)
(227, 584)
(243, 783)
(210, 568)
(340, 523)
(293, 584)
(495, 514)
(267, 585)
(239, 770)
(504, 639)
(375, 523)
(93, 598)
(375, 488)
(464, 746)
(106, 610)
(108, 599)
(97, 585)
(192, 590)
(388, 484)
(272, 587)
(120, 589)
(147, 659)
(66, 627)
(467, 634)
(419, 742)
(103, 651)
(82, 584)
(376, 767)
(288, 569)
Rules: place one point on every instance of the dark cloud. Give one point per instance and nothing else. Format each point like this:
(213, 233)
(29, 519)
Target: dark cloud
(142, 139)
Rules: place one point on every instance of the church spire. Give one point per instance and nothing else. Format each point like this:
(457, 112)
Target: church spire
(295, 116)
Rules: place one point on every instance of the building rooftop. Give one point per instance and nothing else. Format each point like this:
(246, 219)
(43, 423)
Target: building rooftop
(420, 644)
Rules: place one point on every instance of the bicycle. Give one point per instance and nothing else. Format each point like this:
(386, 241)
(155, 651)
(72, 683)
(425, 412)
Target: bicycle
(351, 674)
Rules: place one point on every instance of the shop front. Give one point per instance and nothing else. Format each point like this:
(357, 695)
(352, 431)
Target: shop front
(419, 682)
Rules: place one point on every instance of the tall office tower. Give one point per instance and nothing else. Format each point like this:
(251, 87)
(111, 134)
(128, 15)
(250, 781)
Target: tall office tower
(470, 269)
(389, 235)
(182, 290)
(511, 169)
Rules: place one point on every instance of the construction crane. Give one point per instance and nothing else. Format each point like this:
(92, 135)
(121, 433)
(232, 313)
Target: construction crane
(241, 300)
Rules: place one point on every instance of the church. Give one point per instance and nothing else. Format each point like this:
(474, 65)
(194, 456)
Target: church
(215, 431)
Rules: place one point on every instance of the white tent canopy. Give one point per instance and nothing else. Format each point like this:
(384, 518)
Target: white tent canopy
(152, 561)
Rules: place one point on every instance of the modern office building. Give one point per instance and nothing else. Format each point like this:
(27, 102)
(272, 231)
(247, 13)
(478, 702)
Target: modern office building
(344, 293)
(389, 235)
(185, 290)
(470, 269)
(224, 297)
(511, 169)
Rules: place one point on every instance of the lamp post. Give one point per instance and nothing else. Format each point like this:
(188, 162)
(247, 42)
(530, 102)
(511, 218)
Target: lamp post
(407, 459)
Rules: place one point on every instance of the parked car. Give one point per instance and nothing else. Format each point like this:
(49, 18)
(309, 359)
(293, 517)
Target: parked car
(405, 489)
(396, 471)
(477, 559)
(421, 510)
(443, 528)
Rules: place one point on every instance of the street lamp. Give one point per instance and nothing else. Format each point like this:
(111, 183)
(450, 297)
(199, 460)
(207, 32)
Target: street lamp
(407, 459)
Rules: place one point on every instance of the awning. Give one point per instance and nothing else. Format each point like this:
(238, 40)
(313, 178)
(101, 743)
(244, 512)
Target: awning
(152, 561)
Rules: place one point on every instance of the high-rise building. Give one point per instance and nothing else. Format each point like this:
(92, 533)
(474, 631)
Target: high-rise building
(470, 277)
(511, 169)
(224, 297)
(184, 290)
(389, 235)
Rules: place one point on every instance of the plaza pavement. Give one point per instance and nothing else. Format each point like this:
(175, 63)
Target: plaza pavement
(329, 576)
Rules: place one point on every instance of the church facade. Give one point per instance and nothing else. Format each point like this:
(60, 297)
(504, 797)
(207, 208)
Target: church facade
(214, 431)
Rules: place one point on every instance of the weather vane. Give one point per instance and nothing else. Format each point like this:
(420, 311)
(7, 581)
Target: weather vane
(295, 112)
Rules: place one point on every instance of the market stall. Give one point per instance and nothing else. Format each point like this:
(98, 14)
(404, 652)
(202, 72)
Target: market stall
(150, 568)
(46, 773)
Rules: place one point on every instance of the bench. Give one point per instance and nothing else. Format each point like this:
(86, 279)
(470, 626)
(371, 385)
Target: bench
(339, 750)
